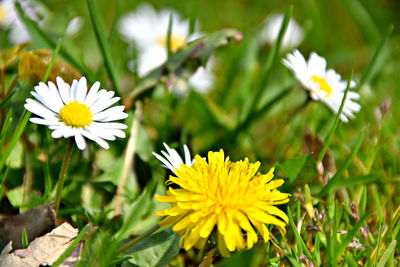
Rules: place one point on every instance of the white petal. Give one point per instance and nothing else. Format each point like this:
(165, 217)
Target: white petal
(64, 90)
(95, 138)
(101, 105)
(316, 65)
(110, 125)
(81, 90)
(91, 96)
(166, 162)
(188, 160)
(40, 110)
(111, 114)
(73, 90)
(80, 141)
(45, 121)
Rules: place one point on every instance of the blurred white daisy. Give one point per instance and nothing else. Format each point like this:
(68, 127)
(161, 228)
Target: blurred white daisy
(323, 85)
(148, 28)
(171, 159)
(74, 26)
(9, 19)
(72, 112)
(294, 34)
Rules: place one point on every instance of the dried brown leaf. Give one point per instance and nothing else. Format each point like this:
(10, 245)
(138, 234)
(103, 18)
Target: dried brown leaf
(9, 55)
(45, 250)
(33, 66)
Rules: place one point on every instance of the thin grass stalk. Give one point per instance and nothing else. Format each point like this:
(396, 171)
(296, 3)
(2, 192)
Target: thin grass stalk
(104, 46)
(335, 124)
(129, 156)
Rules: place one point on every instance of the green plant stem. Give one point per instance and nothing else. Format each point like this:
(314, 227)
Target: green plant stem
(12, 84)
(335, 124)
(129, 160)
(138, 239)
(63, 173)
(53, 59)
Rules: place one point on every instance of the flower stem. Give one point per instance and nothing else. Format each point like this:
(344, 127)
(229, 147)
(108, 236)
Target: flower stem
(138, 239)
(63, 173)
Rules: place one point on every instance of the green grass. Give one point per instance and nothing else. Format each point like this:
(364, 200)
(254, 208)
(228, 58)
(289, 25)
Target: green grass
(344, 204)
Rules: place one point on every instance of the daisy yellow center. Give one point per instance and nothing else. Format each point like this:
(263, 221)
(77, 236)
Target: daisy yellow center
(323, 84)
(3, 14)
(76, 114)
(228, 196)
(177, 41)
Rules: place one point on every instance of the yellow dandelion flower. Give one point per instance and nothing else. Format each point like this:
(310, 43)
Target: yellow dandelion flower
(229, 196)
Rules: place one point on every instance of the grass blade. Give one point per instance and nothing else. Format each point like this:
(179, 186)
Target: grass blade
(169, 32)
(335, 124)
(369, 72)
(300, 243)
(104, 46)
(349, 236)
(336, 178)
(268, 67)
(40, 37)
(362, 19)
(25, 242)
(71, 247)
(378, 244)
(53, 59)
(5, 100)
(25, 115)
(7, 123)
(389, 252)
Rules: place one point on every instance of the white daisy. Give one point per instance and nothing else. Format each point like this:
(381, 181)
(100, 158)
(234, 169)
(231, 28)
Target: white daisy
(148, 28)
(323, 85)
(9, 19)
(293, 36)
(172, 159)
(72, 112)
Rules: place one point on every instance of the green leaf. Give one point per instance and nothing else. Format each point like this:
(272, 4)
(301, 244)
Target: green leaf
(134, 214)
(389, 252)
(184, 62)
(300, 169)
(156, 250)
(15, 160)
(144, 145)
(103, 43)
(25, 242)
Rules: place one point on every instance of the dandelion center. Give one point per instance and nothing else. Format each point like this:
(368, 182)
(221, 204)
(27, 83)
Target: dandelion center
(76, 114)
(176, 41)
(230, 197)
(323, 84)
